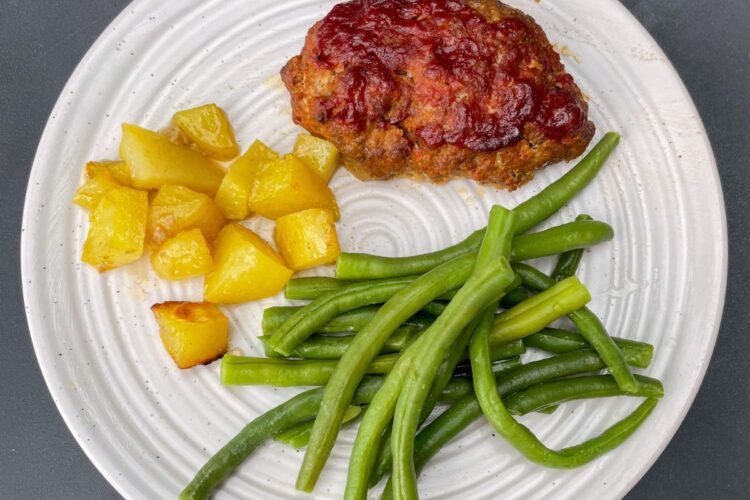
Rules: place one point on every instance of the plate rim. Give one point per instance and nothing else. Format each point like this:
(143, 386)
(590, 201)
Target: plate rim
(38, 335)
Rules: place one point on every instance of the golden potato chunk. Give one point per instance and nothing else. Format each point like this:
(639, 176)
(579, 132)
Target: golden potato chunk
(209, 129)
(234, 191)
(117, 169)
(88, 195)
(287, 185)
(117, 229)
(175, 209)
(319, 154)
(185, 256)
(245, 268)
(154, 160)
(193, 333)
(307, 239)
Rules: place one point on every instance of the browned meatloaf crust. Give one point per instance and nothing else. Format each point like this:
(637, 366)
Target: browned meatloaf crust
(437, 89)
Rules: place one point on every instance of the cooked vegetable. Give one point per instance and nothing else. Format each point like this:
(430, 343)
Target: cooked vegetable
(447, 425)
(552, 241)
(234, 192)
(475, 303)
(116, 168)
(567, 262)
(243, 370)
(320, 155)
(299, 409)
(154, 161)
(88, 195)
(589, 326)
(245, 268)
(333, 347)
(209, 129)
(193, 333)
(524, 440)
(117, 229)
(316, 314)
(307, 239)
(286, 185)
(561, 341)
(175, 209)
(299, 435)
(185, 256)
(529, 213)
(312, 287)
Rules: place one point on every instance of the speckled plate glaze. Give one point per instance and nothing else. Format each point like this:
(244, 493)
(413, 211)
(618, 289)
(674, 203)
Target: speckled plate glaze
(149, 426)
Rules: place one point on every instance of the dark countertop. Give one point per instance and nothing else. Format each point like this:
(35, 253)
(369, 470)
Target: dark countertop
(709, 42)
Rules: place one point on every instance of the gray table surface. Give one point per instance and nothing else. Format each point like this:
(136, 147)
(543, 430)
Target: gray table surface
(41, 41)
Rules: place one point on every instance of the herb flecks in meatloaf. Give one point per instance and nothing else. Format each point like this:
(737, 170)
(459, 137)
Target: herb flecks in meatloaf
(437, 89)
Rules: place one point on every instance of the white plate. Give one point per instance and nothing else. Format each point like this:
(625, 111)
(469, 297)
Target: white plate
(148, 426)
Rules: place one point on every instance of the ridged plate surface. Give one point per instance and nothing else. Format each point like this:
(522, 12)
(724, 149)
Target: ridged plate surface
(148, 426)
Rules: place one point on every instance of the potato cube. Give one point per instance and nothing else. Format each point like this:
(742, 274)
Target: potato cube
(307, 239)
(193, 333)
(176, 208)
(117, 169)
(245, 268)
(287, 185)
(117, 228)
(88, 195)
(318, 154)
(234, 191)
(154, 161)
(209, 129)
(185, 256)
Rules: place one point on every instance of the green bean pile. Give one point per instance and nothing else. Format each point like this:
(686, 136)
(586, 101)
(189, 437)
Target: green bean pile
(389, 339)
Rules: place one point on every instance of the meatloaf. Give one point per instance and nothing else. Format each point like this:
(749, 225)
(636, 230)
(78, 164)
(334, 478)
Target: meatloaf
(437, 89)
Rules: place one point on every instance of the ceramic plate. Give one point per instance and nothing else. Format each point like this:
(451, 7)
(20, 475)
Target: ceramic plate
(149, 426)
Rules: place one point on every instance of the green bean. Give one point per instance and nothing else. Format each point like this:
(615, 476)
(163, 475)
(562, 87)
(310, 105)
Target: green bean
(380, 411)
(559, 341)
(552, 241)
(312, 287)
(559, 239)
(366, 344)
(466, 410)
(540, 310)
(529, 214)
(297, 410)
(567, 262)
(498, 367)
(313, 316)
(541, 206)
(333, 347)
(350, 321)
(243, 370)
(521, 437)
(553, 393)
(299, 435)
(478, 295)
(590, 327)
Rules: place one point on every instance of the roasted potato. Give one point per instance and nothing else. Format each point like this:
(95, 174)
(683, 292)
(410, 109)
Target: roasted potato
(245, 268)
(209, 129)
(176, 208)
(88, 195)
(286, 185)
(193, 333)
(116, 168)
(307, 239)
(153, 161)
(184, 256)
(117, 229)
(234, 191)
(319, 154)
